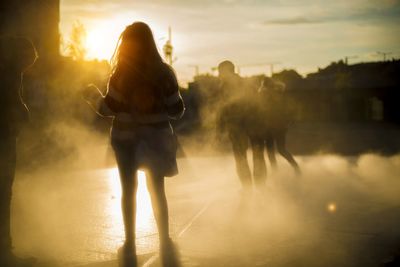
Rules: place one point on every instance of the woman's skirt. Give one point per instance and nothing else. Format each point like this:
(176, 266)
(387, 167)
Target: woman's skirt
(147, 147)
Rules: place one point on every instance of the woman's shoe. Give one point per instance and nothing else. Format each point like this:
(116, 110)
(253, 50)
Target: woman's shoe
(169, 255)
(10, 260)
(127, 257)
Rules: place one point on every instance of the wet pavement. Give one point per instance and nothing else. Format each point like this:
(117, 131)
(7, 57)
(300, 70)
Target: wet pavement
(340, 212)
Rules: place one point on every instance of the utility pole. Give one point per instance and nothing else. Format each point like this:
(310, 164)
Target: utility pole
(384, 54)
(270, 64)
(346, 59)
(168, 48)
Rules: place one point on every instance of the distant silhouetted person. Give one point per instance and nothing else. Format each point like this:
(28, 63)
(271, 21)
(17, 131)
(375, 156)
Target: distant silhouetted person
(237, 117)
(276, 117)
(16, 55)
(143, 96)
(231, 84)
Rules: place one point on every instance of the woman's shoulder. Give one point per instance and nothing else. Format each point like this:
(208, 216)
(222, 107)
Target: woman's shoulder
(166, 74)
(166, 70)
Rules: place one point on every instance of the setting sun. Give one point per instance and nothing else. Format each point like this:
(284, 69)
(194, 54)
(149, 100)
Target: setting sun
(101, 43)
(102, 37)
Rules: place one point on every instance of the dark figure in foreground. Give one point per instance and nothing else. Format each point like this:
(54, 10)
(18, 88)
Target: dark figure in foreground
(17, 54)
(143, 97)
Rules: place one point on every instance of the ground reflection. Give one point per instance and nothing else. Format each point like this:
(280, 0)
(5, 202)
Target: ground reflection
(145, 224)
(73, 217)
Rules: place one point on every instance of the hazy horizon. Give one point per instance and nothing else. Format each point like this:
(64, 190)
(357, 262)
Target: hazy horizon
(301, 35)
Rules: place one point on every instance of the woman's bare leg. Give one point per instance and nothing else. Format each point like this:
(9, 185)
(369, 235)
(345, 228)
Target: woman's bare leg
(168, 252)
(128, 205)
(128, 179)
(156, 187)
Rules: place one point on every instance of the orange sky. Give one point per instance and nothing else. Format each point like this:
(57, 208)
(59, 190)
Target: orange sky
(302, 34)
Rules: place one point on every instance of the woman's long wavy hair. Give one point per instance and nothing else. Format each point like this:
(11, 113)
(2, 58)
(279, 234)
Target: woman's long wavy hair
(136, 50)
(136, 65)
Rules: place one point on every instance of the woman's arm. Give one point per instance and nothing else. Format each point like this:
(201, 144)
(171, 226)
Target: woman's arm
(173, 100)
(107, 105)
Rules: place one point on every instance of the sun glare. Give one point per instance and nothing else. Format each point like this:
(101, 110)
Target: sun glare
(102, 37)
(100, 44)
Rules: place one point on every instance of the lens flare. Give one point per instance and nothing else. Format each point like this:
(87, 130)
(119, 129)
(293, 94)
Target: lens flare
(331, 207)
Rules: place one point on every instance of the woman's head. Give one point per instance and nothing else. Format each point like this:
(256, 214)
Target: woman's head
(136, 46)
(136, 65)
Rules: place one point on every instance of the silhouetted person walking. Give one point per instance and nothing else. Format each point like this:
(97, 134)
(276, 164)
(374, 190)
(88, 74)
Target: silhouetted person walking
(16, 55)
(277, 115)
(143, 96)
(237, 116)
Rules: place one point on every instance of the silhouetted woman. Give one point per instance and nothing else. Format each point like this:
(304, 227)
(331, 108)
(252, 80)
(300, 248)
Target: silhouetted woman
(142, 96)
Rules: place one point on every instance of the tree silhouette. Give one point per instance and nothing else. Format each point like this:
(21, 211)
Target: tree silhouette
(76, 46)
